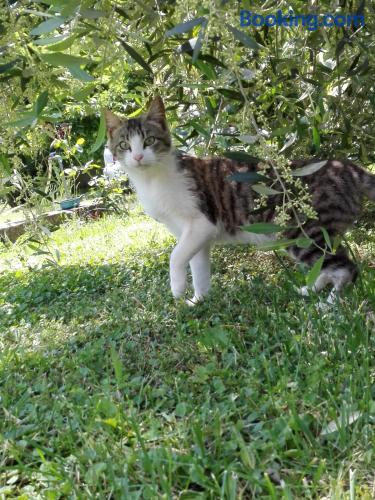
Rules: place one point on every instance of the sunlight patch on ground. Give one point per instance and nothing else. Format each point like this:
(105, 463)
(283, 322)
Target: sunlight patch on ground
(107, 239)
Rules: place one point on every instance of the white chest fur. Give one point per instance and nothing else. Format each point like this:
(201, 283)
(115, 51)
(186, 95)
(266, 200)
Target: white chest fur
(164, 193)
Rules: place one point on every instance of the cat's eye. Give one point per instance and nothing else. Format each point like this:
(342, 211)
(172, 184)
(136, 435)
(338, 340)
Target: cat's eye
(149, 141)
(125, 146)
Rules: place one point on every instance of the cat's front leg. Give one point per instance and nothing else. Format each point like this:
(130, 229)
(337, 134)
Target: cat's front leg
(196, 235)
(177, 273)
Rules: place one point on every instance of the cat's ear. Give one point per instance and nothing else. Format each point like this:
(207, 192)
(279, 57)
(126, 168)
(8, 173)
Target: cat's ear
(113, 122)
(156, 112)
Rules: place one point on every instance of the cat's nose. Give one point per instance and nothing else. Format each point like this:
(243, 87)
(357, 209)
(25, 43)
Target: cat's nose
(138, 157)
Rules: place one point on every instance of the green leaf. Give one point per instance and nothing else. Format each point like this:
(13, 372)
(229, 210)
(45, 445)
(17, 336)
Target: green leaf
(122, 13)
(212, 60)
(4, 161)
(117, 366)
(42, 193)
(246, 454)
(49, 41)
(49, 25)
(72, 63)
(304, 242)
(79, 73)
(206, 69)
(265, 190)
(85, 91)
(183, 27)
(160, 53)
(327, 239)
(41, 102)
(336, 242)
(354, 64)
(245, 39)
(181, 409)
(231, 94)
(284, 243)
(61, 59)
(53, 117)
(135, 113)
(362, 68)
(5, 67)
(92, 13)
(100, 136)
(201, 130)
(354, 69)
(314, 272)
(276, 245)
(67, 7)
(309, 169)
(198, 44)
(25, 121)
(215, 336)
(241, 156)
(250, 177)
(316, 138)
(263, 228)
(135, 55)
(64, 44)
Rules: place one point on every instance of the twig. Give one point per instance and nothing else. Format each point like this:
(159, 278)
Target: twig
(274, 168)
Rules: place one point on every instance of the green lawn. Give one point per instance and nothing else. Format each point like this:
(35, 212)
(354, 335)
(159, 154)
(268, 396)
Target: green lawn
(110, 389)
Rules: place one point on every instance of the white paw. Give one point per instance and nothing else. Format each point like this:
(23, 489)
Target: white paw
(193, 301)
(323, 305)
(304, 291)
(333, 298)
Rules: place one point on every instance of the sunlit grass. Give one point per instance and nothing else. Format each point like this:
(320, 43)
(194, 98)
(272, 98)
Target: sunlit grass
(111, 389)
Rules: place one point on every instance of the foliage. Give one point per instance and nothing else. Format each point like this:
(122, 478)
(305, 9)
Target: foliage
(108, 388)
(67, 59)
(269, 92)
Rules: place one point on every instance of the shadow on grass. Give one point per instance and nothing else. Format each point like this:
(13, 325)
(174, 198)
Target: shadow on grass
(66, 310)
(91, 349)
(133, 298)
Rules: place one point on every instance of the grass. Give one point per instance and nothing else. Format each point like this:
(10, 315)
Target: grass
(110, 389)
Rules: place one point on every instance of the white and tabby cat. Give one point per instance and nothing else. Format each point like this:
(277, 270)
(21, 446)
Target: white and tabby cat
(195, 199)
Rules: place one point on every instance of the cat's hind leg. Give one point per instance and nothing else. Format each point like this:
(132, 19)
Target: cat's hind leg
(322, 280)
(338, 270)
(343, 272)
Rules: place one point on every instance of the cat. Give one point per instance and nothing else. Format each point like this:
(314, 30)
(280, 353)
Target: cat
(201, 206)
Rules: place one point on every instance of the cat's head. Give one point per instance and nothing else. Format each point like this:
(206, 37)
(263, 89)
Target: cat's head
(140, 142)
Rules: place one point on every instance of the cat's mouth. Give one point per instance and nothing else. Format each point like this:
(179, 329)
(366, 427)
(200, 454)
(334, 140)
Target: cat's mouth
(144, 164)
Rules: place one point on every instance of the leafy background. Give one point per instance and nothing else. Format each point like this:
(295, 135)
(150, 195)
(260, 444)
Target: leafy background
(310, 92)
